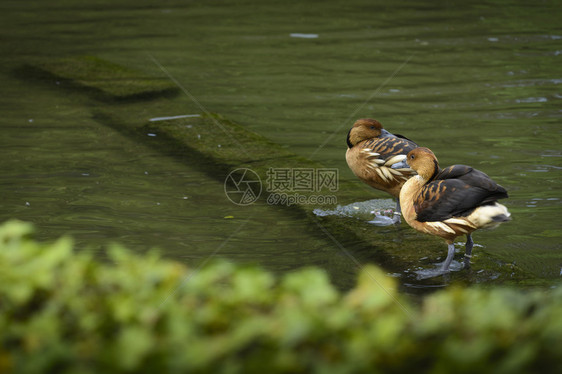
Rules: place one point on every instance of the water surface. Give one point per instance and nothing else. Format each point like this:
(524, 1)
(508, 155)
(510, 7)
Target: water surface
(478, 83)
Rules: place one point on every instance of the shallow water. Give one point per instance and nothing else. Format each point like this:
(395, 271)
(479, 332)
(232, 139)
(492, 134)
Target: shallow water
(477, 83)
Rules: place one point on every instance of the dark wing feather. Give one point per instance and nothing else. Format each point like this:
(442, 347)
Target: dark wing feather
(472, 177)
(454, 171)
(455, 192)
(403, 137)
(390, 146)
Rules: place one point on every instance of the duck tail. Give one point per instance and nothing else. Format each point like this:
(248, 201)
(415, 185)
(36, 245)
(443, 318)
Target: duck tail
(490, 215)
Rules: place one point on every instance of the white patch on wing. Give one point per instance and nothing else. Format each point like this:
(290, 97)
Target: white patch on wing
(387, 173)
(372, 159)
(383, 167)
(441, 226)
(459, 221)
(370, 152)
(395, 159)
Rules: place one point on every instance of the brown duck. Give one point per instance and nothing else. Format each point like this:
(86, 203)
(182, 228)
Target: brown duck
(371, 153)
(451, 202)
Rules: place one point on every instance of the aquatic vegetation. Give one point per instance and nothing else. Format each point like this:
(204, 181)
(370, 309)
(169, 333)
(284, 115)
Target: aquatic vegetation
(62, 311)
(108, 80)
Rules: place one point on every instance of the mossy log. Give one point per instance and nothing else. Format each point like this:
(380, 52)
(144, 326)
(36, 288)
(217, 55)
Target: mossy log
(106, 80)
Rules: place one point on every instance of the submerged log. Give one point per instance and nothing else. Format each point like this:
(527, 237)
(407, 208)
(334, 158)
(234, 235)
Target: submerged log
(103, 79)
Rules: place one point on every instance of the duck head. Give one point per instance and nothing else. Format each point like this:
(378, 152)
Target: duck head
(365, 128)
(423, 161)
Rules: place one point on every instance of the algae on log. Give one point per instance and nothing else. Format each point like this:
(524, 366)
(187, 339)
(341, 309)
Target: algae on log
(107, 80)
(229, 144)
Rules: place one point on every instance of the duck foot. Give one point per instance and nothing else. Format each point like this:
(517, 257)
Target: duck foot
(468, 251)
(437, 271)
(449, 259)
(397, 213)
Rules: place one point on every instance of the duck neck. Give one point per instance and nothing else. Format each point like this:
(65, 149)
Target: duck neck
(409, 191)
(436, 170)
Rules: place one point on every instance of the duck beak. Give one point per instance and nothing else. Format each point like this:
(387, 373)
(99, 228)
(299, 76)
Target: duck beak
(400, 165)
(385, 134)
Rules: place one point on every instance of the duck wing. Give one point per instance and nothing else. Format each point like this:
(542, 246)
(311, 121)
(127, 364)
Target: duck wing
(455, 192)
(390, 146)
(403, 137)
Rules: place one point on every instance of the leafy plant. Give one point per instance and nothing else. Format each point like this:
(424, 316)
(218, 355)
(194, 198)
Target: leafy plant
(68, 312)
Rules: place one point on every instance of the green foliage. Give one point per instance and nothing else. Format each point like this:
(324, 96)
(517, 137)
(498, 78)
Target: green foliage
(67, 312)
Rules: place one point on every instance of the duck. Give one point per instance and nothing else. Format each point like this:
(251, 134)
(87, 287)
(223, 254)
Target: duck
(371, 153)
(450, 202)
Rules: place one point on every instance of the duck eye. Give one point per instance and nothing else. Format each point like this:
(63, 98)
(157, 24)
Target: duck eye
(372, 127)
(412, 157)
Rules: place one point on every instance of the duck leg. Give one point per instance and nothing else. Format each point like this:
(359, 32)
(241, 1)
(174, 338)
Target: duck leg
(397, 212)
(449, 259)
(468, 251)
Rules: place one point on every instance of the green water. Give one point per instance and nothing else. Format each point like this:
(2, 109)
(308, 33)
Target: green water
(478, 82)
